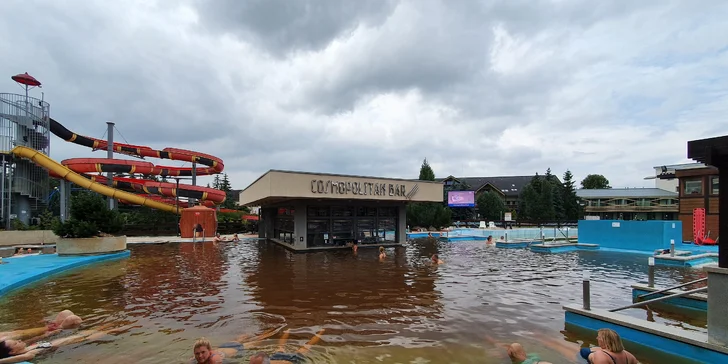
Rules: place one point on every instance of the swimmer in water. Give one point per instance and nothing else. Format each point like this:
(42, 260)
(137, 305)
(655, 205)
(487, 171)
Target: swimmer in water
(490, 240)
(382, 254)
(63, 321)
(436, 259)
(235, 238)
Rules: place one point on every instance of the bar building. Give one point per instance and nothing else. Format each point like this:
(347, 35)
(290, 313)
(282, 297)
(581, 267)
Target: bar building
(312, 211)
(699, 189)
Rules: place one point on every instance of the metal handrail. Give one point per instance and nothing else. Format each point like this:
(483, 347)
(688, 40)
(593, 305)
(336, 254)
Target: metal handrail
(671, 288)
(638, 304)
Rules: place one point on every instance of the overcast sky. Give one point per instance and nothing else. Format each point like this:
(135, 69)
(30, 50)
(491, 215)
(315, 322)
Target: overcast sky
(479, 88)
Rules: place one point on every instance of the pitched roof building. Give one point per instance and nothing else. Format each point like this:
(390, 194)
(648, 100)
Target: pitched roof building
(508, 187)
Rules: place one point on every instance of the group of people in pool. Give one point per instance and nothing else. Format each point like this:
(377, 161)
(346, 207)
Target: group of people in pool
(23, 345)
(435, 259)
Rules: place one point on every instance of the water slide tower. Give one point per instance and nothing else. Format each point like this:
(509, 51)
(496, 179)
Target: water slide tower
(24, 186)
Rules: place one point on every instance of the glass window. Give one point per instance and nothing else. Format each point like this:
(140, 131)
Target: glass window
(317, 233)
(283, 225)
(714, 186)
(318, 211)
(693, 186)
(367, 231)
(387, 230)
(342, 211)
(366, 211)
(387, 211)
(342, 231)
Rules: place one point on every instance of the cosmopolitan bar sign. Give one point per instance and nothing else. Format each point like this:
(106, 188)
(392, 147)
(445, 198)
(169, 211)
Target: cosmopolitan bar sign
(358, 188)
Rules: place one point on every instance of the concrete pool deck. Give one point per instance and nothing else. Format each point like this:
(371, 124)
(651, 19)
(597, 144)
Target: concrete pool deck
(675, 341)
(19, 271)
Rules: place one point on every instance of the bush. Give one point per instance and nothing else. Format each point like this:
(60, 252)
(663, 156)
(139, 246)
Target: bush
(90, 216)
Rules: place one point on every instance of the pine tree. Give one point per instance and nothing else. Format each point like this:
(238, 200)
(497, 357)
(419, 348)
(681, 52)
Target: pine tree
(571, 201)
(426, 172)
(216, 182)
(225, 183)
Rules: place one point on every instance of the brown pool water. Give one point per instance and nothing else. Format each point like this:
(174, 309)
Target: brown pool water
(401, 310)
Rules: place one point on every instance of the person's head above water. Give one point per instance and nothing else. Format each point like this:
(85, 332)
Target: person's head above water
(260, 358)
(610, 340)
(202, 350)
(381, 249)
(10, 348)
(516, 352)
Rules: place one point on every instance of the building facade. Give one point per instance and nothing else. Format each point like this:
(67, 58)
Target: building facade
(629, 203)
(312, 211)
(699, 189)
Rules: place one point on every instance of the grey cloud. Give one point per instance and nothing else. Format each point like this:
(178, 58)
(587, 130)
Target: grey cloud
(282, 26)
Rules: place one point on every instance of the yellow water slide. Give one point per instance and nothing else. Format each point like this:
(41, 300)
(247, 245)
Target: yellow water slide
(73, 177)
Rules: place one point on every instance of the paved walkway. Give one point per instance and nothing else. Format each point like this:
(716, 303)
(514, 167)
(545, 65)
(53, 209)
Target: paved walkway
(18, 271)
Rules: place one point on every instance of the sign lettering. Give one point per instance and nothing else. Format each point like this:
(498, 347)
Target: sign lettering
(332, 187)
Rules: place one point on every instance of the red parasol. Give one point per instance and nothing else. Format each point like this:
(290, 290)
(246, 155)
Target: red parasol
(26, 79)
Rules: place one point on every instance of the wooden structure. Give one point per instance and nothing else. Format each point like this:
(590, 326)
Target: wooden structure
(714, 152)
(699, 189)
(204, 216)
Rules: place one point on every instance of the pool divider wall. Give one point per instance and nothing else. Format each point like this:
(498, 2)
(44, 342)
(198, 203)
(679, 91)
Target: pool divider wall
(630, 235)
(695, 301)
(26, 237)
(672, 340)
(717, 307)
(12, 279)
(686, 260)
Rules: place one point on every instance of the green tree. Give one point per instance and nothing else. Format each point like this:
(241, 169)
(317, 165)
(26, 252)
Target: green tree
(90, 216)
(426, 172)
(491, 206)
(595, 182)
(216, 182)
(571, 202)
(428, 214)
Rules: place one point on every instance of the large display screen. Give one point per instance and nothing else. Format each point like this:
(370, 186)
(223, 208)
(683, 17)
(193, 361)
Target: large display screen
(461, 198)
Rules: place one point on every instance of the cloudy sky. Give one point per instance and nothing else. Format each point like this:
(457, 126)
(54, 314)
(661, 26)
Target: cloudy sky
(479, 88)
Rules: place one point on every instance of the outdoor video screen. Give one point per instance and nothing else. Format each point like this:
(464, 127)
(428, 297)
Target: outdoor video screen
(461, 198)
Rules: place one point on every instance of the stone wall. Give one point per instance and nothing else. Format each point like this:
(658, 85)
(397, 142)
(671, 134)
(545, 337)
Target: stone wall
(99, 245)
(27, 237)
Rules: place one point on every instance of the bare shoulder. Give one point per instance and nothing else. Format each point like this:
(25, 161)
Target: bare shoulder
(631, 359)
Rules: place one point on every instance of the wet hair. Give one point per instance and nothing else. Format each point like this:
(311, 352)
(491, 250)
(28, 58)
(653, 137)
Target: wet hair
(611, 340)
(4, 350)
(434, 256)
(202, 342)
(381, 249)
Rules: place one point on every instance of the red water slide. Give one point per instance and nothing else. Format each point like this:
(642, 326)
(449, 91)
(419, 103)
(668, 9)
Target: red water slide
(165, 191)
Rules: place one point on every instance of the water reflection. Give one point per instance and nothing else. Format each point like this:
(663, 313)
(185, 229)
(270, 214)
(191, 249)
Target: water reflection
(402, 309)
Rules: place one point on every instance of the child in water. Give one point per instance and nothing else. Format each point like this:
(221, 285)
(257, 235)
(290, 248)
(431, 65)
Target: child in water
(382, 254)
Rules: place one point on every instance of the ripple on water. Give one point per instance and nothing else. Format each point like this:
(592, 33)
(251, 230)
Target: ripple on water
(402, 310)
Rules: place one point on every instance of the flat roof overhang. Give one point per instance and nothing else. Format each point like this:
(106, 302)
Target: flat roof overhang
(278, 187)
(711, 151)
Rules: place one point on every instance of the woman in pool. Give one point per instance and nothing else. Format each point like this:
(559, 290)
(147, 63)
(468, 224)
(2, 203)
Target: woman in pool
(382, 254)
(206, 354)
(15, 351)
(610, 350)
(64, 320)
(436, 260)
